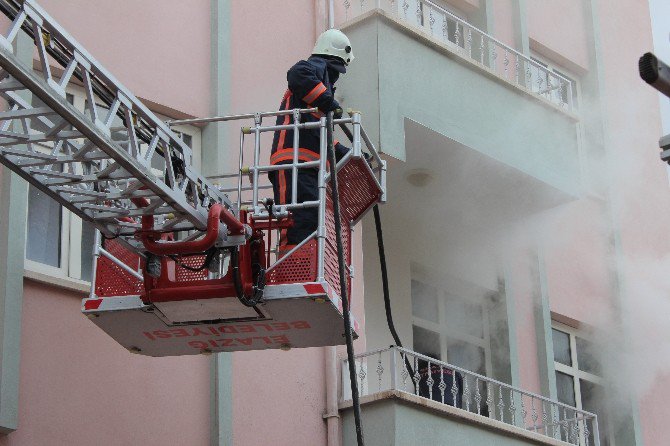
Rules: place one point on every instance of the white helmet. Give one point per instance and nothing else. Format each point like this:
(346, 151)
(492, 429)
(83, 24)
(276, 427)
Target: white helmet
(334, 42)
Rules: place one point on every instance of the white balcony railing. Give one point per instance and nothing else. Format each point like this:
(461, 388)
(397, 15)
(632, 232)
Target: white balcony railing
(473, 44)
(406, 371)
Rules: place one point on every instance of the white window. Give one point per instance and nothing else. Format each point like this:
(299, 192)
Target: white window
(551, 82)
(451, 324)
(59, 243)
(579, 381)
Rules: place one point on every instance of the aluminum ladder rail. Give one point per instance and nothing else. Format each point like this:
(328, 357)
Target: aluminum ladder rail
(97, 171)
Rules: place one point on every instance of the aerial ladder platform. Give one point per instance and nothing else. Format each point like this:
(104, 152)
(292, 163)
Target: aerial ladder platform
(183, 264)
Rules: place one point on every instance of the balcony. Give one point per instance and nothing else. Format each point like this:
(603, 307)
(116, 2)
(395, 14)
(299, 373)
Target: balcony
(408, 398)
(417, 62)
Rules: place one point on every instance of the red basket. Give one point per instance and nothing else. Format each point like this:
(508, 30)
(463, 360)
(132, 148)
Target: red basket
(111, 279)
(300, 267)
(357, 188)
(331, 263)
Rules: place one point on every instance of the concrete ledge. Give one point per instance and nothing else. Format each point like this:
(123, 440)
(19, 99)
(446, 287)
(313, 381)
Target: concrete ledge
(459, 415)
(66, 283)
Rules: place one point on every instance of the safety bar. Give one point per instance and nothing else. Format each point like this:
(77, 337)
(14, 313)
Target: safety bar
(239, 117)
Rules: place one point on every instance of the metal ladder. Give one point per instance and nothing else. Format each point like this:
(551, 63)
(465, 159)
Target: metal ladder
(97, 164)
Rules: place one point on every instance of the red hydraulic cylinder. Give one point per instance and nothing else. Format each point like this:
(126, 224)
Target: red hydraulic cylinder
(217, 213)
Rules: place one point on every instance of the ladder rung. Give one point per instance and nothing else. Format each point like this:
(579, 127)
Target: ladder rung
(81, 192)
(86, 179)
(26, 113)
(97, 207)
(12, 138)
(27, 154)
(11, 85)
(142, 212)
(56, 174)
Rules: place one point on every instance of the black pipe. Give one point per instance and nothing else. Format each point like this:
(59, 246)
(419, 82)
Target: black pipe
(655, 73)
(343, 283)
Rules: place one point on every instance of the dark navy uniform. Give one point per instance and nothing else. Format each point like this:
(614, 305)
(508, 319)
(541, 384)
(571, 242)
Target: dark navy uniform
(310, 84)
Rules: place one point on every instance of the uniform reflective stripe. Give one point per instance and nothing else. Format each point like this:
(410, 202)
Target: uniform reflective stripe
(282, 187)
(290, 158)
(315, 93)
(282, 134)
(304, 155)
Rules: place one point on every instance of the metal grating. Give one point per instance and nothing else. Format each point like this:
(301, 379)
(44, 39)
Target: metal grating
(111, 279)
(185, 275)
(331, 265)
(357, 188)
(299, 267)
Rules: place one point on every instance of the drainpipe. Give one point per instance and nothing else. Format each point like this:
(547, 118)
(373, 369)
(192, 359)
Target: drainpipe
(331, 14)
(331, 415)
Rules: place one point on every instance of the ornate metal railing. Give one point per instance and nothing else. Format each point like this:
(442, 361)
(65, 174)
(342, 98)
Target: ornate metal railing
(403, 370)
(473, 44)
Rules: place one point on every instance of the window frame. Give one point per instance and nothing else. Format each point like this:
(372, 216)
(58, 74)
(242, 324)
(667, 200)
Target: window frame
(561, 71)
(441, 328)
(576, 373)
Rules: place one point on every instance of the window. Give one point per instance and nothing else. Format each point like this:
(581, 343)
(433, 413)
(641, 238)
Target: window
(550, 82)
(578, 376)
(58, 242)
(451, 325)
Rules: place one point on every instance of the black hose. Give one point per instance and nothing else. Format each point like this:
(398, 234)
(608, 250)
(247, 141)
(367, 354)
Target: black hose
(343, 282)
(385, 285)
(259, 287)
(205, 264)
(385, 280)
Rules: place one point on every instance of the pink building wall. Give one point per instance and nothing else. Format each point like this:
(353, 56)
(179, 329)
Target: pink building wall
(78, 386)
(504, 27)
(557, 30)
(578, 262)
(158, 49)
(521, 286)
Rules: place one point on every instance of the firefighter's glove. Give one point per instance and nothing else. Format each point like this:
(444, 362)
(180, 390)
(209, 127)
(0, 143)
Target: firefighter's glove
(337, 113)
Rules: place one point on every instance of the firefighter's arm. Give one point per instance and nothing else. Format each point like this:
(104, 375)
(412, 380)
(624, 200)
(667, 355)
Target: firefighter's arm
(306, 85)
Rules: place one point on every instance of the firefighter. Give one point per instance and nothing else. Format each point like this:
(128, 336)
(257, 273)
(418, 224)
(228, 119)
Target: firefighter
(440, 375)
(310, 84)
